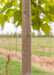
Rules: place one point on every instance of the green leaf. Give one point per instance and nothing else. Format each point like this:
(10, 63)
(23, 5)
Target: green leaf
(8, 5)
(10, 12)
(1, 1)
(15, 3)
(51, 8)
(18, 17)
(3, 19)
(36, 22)
(46, 28)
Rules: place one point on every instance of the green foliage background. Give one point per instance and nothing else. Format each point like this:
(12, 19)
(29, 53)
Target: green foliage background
(13, 8)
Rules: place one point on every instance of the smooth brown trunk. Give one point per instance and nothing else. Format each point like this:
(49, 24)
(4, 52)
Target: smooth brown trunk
(26, 37)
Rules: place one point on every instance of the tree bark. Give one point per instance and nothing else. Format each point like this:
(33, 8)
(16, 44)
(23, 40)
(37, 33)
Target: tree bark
(26, 37)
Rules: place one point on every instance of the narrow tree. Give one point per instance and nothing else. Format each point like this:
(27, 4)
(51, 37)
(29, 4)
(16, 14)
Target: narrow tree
(26, 37)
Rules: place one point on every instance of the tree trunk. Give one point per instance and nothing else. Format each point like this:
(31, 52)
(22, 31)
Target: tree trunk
(26, 37)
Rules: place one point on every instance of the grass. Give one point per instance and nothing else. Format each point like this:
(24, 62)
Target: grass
(15, 68)
(44, 53)
(36, 52)
(10, 48)
(43, 46)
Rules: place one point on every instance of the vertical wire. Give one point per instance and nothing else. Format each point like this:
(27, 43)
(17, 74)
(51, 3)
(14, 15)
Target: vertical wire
(16, 39)
(49, 44)
(43, 46)
(2, 37)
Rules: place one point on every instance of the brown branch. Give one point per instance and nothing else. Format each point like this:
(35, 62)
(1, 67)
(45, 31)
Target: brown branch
(33, 3)
(7, 64)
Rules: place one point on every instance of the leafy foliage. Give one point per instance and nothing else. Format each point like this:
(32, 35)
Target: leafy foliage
(13, 8)
(3, 18)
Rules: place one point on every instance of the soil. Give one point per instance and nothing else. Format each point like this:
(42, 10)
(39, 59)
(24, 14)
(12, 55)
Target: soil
(42, 62)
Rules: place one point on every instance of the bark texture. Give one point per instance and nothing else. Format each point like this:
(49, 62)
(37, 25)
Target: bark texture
(26, 37)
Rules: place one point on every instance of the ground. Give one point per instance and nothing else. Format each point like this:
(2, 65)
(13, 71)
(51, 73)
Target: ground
(42, 51)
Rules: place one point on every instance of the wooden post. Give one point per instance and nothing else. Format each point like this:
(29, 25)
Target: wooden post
(26, 37)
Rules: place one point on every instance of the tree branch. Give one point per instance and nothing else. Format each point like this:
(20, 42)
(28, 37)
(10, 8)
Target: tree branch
(33, 3)
(7, 64)
(34, 6)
